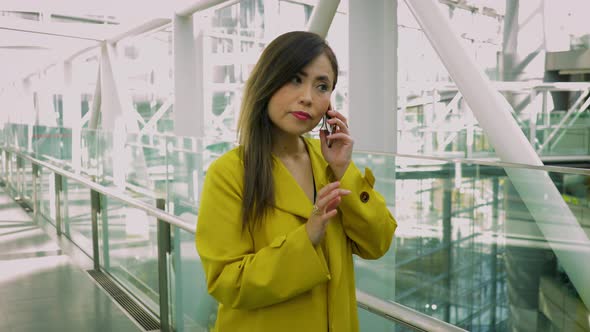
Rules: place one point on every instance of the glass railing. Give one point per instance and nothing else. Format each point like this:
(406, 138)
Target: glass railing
(480, 245)
(469, 252)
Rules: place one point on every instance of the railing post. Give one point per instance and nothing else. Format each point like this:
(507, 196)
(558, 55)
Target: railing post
(35, 174)
(533, 120)
(95, 210)
(7, 171)
(19, 178)
(104, 225)
(494, 253)
(546, 117)
(58, 185)
(4, 170)
(164, 250)
(447, 221)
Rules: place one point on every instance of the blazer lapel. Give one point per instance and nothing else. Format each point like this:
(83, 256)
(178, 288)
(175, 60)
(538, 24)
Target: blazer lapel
(288, 194)
(318, 165)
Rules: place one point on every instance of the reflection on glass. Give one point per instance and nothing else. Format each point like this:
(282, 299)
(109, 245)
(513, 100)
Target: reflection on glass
(467, 250)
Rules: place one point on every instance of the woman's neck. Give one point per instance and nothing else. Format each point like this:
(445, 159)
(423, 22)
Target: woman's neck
(285, 146)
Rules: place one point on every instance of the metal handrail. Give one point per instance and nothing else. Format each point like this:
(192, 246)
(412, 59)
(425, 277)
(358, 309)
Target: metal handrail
(402, 314)
(480, 162)
(110, 192)
(389, 310)
(509, 86)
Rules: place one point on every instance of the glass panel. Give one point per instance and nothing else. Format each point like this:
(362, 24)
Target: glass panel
(369, 321)
(143, 163)
(47, 194)
(468, 251)
(17, 136)
(129, 249)
(194, 309)
(187, 164)
(571, 138)
(76, 216)
(53, 144)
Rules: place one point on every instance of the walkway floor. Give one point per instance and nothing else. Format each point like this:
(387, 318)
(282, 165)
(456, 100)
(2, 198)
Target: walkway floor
(43, 283)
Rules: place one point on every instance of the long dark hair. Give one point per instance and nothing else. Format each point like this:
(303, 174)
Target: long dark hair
(280, 61)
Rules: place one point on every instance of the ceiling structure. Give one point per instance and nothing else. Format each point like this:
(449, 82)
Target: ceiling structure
(35, 34)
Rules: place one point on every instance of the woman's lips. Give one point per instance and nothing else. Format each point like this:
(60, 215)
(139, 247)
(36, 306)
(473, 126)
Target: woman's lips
(301, 115)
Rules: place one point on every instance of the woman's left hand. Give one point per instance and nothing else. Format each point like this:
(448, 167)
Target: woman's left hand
(339, 154)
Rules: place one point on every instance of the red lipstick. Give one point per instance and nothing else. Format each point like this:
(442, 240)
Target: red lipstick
(301, 115)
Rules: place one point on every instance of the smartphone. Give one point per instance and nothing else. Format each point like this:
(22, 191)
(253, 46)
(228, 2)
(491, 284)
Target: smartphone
(330, 129)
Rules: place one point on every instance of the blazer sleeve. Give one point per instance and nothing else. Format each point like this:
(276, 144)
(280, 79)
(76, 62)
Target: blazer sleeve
(237, 276)
(365, 216)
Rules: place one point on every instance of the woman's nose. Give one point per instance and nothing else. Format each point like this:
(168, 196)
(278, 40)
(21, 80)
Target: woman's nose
(305, 96)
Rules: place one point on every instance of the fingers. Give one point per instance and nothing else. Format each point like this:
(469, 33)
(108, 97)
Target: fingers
(339, 120)
(341, 125)
(323, 135)
(327, 188)
(340, 136)
(341, 133)
(329, 197)
(333, 204)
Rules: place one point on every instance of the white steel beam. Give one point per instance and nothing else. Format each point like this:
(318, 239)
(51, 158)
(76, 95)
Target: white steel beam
(373, 62)
(189, 109)
(93, 114)
(119, 117)
(45, 110)
(322, 16)
(72, 113)
(372, 111)
(111, 109)
(535, 188)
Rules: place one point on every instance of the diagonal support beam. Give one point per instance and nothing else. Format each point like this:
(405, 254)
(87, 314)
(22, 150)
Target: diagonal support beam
(150, 125)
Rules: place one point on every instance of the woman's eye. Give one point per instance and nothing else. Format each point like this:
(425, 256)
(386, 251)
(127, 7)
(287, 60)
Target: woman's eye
(323, 87)
(296, 80)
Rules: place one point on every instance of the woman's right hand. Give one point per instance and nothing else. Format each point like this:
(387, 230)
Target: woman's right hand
(328, 199)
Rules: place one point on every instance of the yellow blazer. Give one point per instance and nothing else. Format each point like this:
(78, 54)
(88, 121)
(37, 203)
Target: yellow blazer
(271, 278)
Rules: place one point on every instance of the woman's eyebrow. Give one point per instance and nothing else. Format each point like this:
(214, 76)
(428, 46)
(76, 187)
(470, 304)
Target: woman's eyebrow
(318, 78)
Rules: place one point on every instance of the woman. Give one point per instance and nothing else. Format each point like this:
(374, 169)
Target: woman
(281, 215)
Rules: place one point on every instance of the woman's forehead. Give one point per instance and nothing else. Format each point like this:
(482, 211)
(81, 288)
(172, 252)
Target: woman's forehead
(319, 68)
